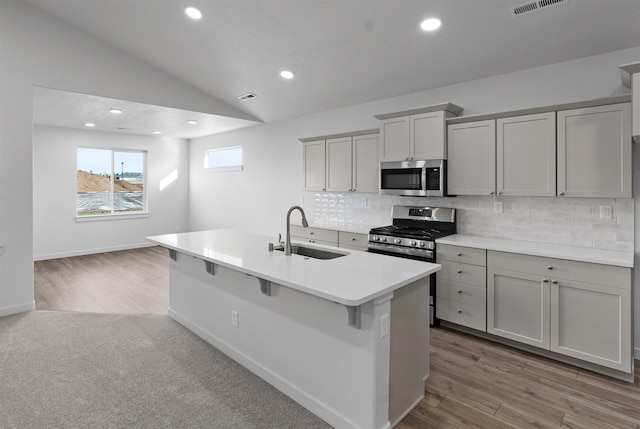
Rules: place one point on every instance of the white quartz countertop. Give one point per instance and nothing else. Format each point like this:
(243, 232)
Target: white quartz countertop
(583, 254)
(351, 280)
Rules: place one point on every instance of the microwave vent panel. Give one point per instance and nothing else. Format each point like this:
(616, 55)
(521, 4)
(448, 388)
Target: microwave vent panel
(534, 6)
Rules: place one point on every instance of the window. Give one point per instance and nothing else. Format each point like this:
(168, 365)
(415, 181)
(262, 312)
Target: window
(110, 182)
(224, 159)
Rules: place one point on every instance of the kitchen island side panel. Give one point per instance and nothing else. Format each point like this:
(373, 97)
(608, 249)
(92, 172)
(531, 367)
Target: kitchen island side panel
(299, 343)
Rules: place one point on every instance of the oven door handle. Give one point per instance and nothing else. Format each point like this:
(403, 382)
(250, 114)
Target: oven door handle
(399, 251)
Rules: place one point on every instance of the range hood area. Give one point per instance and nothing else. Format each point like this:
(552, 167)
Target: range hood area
(630, 76)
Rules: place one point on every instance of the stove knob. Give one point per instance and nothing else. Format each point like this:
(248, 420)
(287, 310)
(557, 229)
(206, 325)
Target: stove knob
(375, 238)
(397, 241)
(383, 239)
(422, 244)
(414, 243)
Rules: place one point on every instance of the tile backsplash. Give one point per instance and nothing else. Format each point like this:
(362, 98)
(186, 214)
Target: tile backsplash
(557, 220)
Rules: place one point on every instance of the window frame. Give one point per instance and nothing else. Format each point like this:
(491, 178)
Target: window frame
(226, 167)
(115, 215)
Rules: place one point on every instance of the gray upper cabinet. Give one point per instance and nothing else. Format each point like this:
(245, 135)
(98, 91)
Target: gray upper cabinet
(415, 134)
(427, 134)
(594, 151)
(365, 163)
(636, 106)
(472, 158)
(526, 155)
(342, 162)
(630, 76)
(394, 139)
(339, 161)
(314, 165)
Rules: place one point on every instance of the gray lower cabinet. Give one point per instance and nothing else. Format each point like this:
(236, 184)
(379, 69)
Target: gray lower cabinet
(330, 237)
(577, 309)
(327, 237)
(353, 240)
(461, 291)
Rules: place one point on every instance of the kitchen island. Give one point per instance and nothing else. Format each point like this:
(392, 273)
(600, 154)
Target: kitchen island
(347, 338)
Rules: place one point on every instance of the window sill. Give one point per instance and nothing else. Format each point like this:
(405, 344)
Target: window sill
(116, 216)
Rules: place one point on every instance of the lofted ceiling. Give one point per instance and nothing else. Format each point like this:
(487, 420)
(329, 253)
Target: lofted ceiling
(344, 52)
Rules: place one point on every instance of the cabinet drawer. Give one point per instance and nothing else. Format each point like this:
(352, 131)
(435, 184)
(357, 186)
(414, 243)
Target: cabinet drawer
(316, 234)
(463, 273)
(467, 255)
(459, 292)
(352, 240)
(462, 314)
(562, 269)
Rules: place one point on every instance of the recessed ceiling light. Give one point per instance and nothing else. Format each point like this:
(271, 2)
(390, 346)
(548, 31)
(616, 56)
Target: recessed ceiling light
(430, 24)
(192, 122)
(89, 124)
(286, 74)
(115, 111)
(193, 13)
(157, 132)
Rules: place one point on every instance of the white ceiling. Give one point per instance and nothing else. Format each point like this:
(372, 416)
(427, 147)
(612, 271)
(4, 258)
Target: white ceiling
(345, 52)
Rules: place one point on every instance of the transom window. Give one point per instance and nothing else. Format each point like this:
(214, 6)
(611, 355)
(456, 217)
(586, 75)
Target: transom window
(224, 159)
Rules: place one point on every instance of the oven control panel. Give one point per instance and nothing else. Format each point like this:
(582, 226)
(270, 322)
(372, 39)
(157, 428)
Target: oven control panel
(403, 242)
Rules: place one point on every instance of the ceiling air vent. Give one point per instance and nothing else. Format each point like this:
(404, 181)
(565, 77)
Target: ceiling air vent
(247, 96)
(534, 6)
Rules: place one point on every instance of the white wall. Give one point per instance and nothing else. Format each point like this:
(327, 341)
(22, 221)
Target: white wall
(56, 232)
(37, 49)
(257, 198)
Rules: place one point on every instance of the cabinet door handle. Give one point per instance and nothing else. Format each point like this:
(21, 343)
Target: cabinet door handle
(555, 282)
(353, 239)
(561, 193)
(459, 291)
(545, 280)
(500, 193)
(458, 271)
(549, 267)
(312, 241)
(459, 254)
(459, 311)
(491, 193)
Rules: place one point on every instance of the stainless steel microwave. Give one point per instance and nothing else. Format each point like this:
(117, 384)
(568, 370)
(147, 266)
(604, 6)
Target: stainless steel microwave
(426, 178)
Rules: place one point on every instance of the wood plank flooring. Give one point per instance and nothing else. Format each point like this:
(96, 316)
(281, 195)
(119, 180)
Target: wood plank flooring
(126, 282)
(473, 383)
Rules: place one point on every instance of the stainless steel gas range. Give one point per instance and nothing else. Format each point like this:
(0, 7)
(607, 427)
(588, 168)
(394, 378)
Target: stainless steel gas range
(413, 235)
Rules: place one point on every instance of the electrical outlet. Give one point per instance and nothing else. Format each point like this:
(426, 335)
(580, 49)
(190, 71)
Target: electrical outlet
(234, 318)
(384, 325)
(497, 207)
(605, 212)
(302, 198)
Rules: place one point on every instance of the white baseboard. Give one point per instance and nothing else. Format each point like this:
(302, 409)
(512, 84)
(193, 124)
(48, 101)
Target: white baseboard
(636, 353)
(91, 251)
(15, 309)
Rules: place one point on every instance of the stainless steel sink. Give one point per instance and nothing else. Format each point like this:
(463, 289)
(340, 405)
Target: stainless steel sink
(312, 252)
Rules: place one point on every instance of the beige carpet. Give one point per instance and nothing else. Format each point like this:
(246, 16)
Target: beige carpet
(84, 370)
